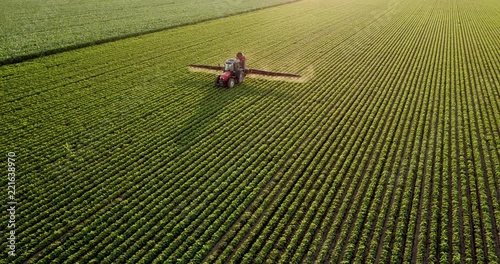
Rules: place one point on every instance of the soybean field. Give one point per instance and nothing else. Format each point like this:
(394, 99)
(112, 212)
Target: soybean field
(386, 151)
(32, 28)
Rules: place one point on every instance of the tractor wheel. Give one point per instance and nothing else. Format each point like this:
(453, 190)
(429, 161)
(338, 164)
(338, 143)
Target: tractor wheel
(230, 83)
(217, 80)
(241, 76)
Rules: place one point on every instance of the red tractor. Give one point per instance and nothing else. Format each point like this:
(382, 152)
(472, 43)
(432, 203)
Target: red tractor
(234, 71)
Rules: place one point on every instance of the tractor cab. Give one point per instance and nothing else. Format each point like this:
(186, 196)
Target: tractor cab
(231, 65)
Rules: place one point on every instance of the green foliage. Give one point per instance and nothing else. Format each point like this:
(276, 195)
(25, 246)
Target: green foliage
(32, 28)
(386, 152)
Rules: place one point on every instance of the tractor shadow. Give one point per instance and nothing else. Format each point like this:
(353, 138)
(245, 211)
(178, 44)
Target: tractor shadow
(215, 101)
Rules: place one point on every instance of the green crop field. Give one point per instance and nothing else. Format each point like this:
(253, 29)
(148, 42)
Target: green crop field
(386, 151)
(31, 28)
